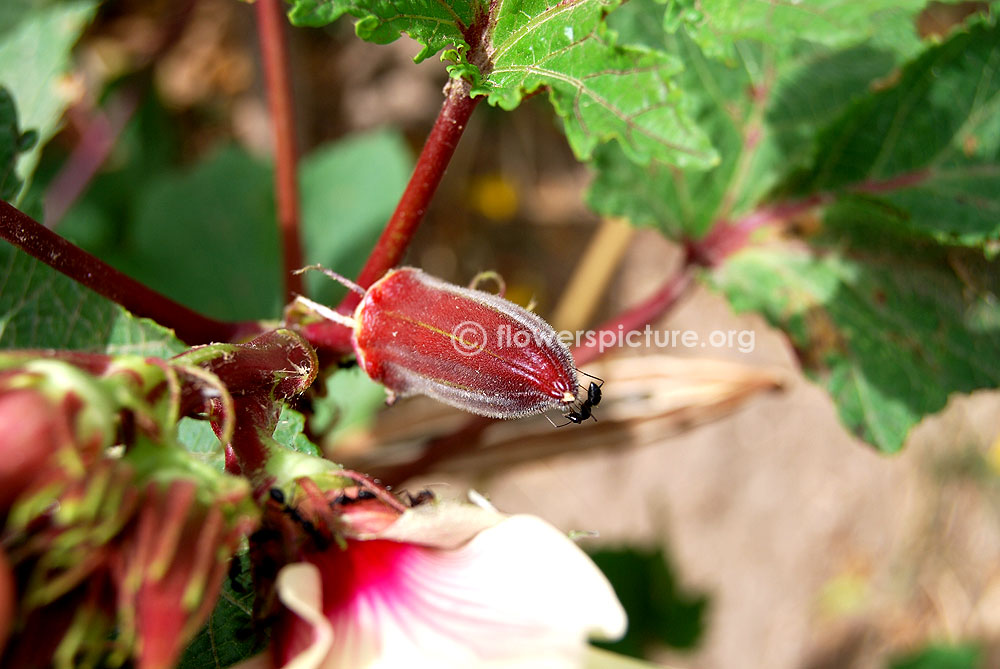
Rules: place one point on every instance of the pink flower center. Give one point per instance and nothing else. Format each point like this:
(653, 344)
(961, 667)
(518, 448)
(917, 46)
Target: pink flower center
(367, 569)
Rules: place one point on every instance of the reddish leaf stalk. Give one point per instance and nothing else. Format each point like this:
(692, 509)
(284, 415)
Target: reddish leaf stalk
(641, 314)
(100, 132)
(274, 53)
(728, 237)
(430, 168)
(61, 255)
(438, 150)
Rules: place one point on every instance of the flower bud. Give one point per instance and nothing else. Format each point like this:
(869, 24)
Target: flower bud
(33, 429)
(473, 350)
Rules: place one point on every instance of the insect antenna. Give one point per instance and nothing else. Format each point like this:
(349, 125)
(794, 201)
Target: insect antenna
(342, 280)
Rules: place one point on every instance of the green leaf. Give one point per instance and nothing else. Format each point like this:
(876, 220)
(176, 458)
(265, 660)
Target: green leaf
(511, 49)
(890, 338)
(761, 108)
(13, 142)
(349, 190)
(436, 25)
(349, 403)
(207, 238)
(130, 335)
(923, 155)
(41, 308)
(289, 433)
(229, 635)
(720, 25)
(659, 610)
(601, 90)
(197, 437)
(34, 56)
(940, 656)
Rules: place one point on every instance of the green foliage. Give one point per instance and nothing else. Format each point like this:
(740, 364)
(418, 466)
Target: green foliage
(288, 432)
(41, 308)
(436, 25)
(229, 636)
(198, 437)
(349, 190)
(964, 656)
(659, 610)
(100, 219)
(892, 338)
(601, 91)
(34, 53)
(206, 237)
(761, 108)
(143, 217)
(13, 142)
(922, 157)
(901, 157)
(720, 26)
(349, 402)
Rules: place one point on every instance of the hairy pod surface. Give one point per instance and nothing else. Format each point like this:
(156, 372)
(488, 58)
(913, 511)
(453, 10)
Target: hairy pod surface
(414, 333)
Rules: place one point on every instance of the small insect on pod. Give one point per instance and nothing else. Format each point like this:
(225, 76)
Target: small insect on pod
(586, 407)
(474, 350)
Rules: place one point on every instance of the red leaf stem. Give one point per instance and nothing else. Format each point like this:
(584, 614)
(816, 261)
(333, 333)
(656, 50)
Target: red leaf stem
(640, 315)
(274, 53)
(430, 168)
(100, 132)
(332, 338)
(61, 255)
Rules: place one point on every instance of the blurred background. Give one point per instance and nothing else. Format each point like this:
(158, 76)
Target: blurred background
(741, 525)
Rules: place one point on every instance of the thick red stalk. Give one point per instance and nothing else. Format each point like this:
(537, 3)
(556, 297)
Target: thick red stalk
(430, 168)
(640, 315)
(330, 337)
(38, 241)
(274, 53)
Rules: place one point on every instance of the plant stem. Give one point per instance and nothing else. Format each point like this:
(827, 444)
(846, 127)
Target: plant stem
(330, 337)
(274, 52)
(728, 237)
(640, 315)
(96, 142)
(430, 167)
(38, 241)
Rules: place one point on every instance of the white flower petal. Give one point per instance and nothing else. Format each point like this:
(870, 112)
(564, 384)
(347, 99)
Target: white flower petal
(444, 524)
(300, 588)
(519, 593)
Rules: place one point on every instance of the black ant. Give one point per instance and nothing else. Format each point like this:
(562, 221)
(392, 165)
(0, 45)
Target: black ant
(423, 497)
(593, 399)
(343, 499)
(235, 571)
(278, 496)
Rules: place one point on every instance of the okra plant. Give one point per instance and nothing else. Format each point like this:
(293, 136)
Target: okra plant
(832, 165)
